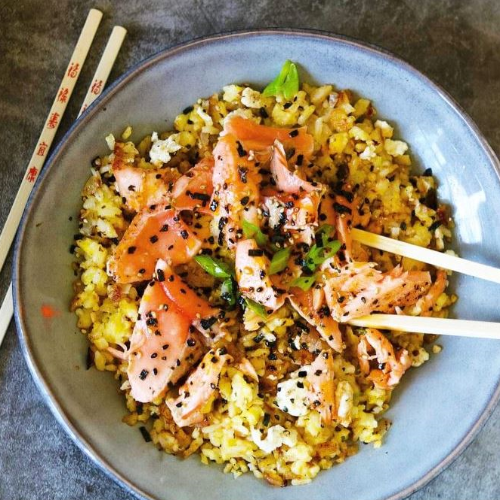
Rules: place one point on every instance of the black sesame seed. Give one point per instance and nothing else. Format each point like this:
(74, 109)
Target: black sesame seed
(241, 151)
(207, 323)
(255, 252)
(153, 239)
(263, 113)
(145, 434)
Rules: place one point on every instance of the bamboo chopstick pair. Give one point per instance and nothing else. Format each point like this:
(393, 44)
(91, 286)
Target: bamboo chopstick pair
(477, 329)
(50, 128)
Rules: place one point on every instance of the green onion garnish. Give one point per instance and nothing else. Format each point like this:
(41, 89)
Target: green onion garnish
(252, 231)
(214, 267)
(279, 260)
(285, 84)
(318, 253)
(304, 282)
(228, 291)
(257, 308)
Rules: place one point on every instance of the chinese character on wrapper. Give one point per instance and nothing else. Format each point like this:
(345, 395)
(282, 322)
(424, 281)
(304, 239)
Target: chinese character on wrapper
(63, 95)
(96, 87)
(73, 70)
(42, 149)
(53, 119)
(31, 175)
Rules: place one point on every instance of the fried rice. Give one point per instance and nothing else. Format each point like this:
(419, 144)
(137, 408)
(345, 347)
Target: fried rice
(246, 425)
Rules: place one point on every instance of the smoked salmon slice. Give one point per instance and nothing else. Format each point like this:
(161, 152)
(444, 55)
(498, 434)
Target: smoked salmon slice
(294, 205)
(163, 346)
(157, 232)
(198, 390)
(391, 365)
(194, 189)
(318, 317)
(359, 289)
(141, 187)
(321, 394)
(257, 137)
(236, 188)
(252, 266)
(199, 312)
(287, 181)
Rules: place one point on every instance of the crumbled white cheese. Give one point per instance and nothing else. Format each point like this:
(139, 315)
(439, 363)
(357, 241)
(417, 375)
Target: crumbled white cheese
(110, 141)
(277, 436)
(231, 93)
(395, 148)
(161, 150)
(207, 119)
(345, 397)
(385, 128)
(252, 98)
(368, 153)
(292, 394)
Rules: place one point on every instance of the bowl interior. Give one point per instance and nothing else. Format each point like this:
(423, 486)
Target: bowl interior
(436, 408)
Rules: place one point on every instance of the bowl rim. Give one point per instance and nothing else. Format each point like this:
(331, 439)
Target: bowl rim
(55, 406)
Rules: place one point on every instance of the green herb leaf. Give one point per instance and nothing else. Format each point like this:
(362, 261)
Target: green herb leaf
(304, 282)
(325, 229)
(257, 308)
(291, 85)
(228, 291)
(285, 84)
(279, 260)
(318, 254)
(252, 231)
(214, 267)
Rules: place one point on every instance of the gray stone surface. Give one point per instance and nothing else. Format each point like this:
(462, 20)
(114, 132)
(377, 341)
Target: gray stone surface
(456, 43)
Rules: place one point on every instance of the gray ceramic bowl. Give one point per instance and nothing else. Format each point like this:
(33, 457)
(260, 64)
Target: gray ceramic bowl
(438, 408)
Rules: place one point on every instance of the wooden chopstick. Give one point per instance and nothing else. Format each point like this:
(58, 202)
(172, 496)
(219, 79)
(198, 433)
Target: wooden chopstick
(426, 255)
(6, 313)
(95, 89)
(105, 66)
(49, 131)
(437, 326)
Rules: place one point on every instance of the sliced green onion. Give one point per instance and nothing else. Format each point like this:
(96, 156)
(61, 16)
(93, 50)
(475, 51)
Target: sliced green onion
(252, 231)
(228, 291)
(214, 267)
(304, 282)
(257, 308)
(279, 260)
(318, 254)
(325, 229)
(285, 84)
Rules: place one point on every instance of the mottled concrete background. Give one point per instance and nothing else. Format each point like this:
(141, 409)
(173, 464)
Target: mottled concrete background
(456, 43)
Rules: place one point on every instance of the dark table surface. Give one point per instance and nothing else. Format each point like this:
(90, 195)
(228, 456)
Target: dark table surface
(456, 43)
